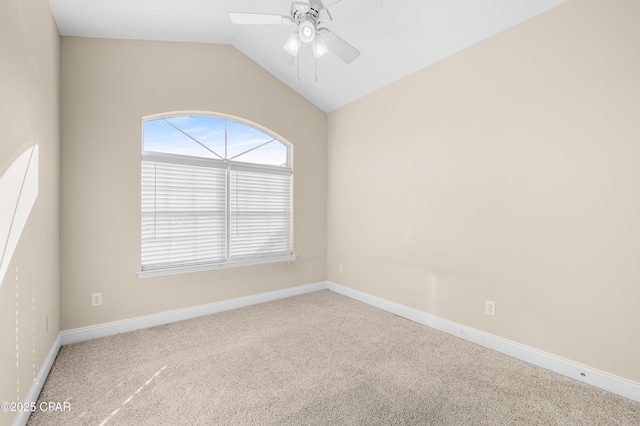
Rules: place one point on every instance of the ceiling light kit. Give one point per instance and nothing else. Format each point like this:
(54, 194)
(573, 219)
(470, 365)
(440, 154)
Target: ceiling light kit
(307, 16)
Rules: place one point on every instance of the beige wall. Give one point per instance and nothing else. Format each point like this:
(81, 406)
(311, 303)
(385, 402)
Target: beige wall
(508, 172)
(108, 86)
(29, 114)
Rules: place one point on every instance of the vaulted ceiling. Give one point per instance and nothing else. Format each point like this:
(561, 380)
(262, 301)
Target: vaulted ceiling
(395, 40)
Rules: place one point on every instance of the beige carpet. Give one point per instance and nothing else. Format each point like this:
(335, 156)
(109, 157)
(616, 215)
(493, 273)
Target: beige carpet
(320, 358)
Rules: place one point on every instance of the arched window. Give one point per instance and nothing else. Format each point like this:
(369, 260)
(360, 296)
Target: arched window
(215, 193)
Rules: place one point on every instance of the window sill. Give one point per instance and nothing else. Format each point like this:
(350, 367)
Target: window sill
(151, 273)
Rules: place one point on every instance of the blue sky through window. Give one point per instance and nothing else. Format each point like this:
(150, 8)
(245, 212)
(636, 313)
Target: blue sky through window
(198, 136)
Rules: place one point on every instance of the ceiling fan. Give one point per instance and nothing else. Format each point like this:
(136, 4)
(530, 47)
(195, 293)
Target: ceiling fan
(307, 16)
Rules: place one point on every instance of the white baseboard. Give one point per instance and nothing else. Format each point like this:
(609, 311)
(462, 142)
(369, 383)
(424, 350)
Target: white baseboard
(36, 387)
(111, 328)
(581, 373)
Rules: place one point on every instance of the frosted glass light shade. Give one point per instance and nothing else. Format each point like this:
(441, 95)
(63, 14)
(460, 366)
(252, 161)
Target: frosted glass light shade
(320, 48)
(292, 46)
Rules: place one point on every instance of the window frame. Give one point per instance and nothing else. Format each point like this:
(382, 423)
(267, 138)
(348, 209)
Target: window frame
(229, 166)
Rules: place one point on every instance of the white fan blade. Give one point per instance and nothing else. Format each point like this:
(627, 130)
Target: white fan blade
(360, 4)
(301, 6)
(341, 48)
(325, 15)
(332, 3)
(258, 18)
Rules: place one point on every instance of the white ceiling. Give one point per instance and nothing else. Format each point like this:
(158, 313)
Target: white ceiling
(396, 40)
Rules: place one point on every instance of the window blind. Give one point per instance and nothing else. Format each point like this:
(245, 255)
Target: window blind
(183, 215)
(260, 218)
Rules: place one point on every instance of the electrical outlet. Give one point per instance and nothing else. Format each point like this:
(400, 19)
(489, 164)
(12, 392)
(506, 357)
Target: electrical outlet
(96, 299)
(340, 269)
(490, 308)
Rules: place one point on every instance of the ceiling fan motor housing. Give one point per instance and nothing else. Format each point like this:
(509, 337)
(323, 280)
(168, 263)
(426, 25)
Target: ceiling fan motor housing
(301, 11)
(306, 15)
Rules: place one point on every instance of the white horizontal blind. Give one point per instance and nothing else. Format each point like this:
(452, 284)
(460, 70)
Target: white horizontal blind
(183, 215)
(260, 214)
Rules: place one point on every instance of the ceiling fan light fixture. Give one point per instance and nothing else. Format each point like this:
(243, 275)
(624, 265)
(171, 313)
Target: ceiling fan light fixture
(292, 46)
(308, 16)
(320, 47)
(306, 31)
